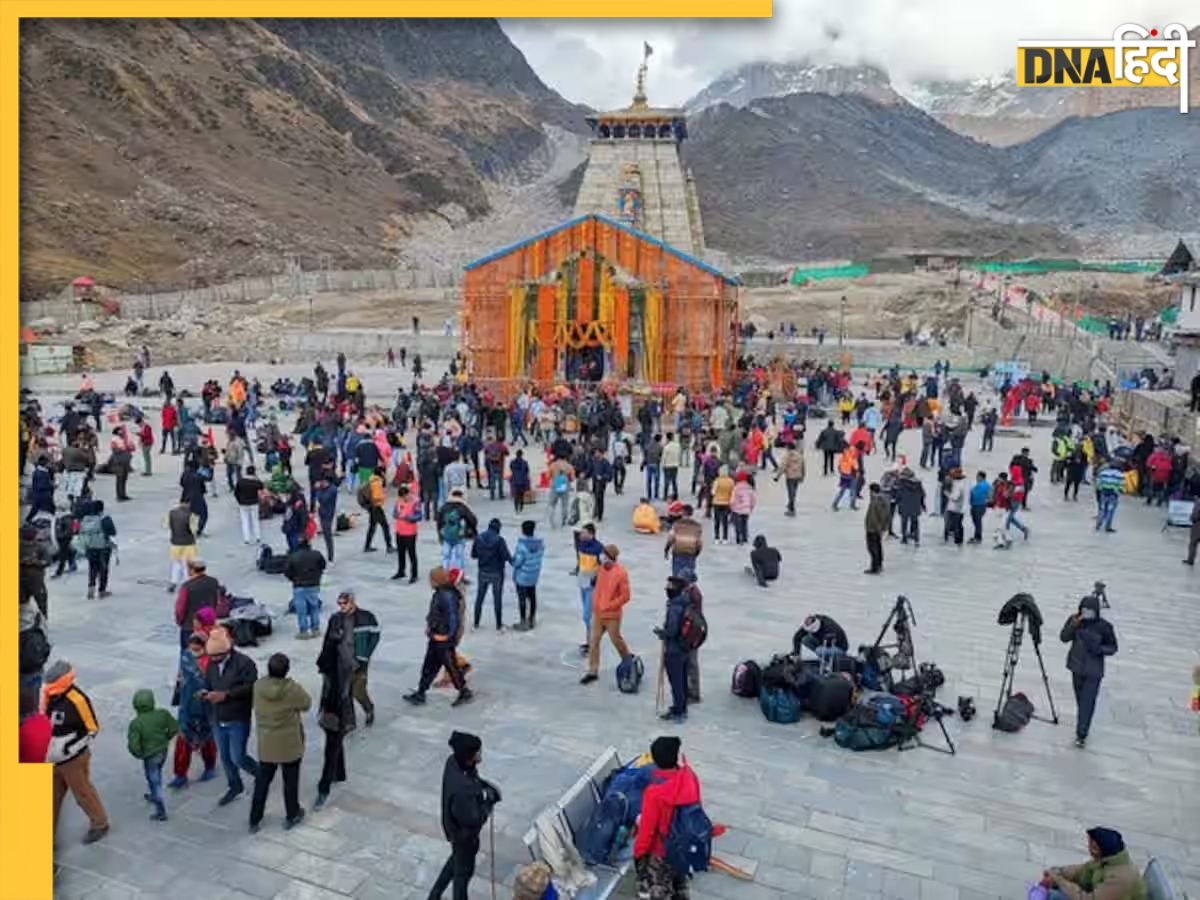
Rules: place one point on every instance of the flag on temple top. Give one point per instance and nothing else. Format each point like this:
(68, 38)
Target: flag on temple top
(647, 49)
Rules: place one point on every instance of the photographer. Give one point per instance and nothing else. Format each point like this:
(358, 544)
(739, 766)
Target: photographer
(823, 636)
(467, 801)
(1091, 638)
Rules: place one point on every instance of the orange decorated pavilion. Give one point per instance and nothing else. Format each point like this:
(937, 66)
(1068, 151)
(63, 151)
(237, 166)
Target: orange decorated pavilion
(596, 300)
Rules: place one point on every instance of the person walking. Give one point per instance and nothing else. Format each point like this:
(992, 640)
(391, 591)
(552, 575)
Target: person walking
(527, 569)
(96, 533)
(456, 524)
(519, 480)
(304, 568)
(441, 629)
(849, 473)
(1193, 537)
(169, 426)
(560, 475)
(988, 420)
(195, 719)
(406, 516)
(792, 471)
(492, 553)
(1110, 484)
(148, 737)
(193, 488)
(467, 804)
(279, 703)
(609, 597)
(601, 474)
(247, 491)
(1092, 639)
(875, 522)
(229, 679)
(200, 591)
(367, 633)
(672, 457)
(980, 497)
(335, 712)
(830, 442)
(651, 465)
(74, 727)
(375, 495)
(495, 452)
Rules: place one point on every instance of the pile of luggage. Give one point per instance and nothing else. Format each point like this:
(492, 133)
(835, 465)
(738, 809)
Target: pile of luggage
(840, 689)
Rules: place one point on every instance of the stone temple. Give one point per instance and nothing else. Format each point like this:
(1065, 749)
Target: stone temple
(635, 173)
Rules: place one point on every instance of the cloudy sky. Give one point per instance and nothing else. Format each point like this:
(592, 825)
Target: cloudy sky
(594, 61)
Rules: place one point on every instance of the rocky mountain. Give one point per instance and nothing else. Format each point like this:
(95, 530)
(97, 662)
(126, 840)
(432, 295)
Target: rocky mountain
(810, 176)
(997, 111)
(165, 152)
(757, 80)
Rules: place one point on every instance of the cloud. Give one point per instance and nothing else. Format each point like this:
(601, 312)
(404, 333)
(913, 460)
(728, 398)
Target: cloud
(595, 61)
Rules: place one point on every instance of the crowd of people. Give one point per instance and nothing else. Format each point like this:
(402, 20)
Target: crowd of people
(391, 472)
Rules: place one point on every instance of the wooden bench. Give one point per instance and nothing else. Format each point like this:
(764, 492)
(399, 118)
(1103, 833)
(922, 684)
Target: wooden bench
(574, 809)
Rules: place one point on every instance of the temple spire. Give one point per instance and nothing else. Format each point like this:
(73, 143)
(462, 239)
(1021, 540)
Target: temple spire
(639, 95)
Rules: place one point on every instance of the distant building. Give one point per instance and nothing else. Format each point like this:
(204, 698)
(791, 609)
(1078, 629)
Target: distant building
(1187, 326)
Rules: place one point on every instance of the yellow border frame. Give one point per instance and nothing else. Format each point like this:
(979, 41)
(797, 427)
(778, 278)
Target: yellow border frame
(26, 869)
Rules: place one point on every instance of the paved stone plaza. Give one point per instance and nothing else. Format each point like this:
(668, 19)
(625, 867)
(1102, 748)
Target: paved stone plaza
(807, 818)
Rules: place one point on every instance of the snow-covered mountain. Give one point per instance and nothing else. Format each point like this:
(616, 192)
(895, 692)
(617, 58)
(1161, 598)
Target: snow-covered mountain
(754, 81)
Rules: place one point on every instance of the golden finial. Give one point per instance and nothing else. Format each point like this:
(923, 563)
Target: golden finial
(639, 95)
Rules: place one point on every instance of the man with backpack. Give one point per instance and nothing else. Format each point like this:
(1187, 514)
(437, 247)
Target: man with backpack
(561, 474)
(456, 524)
(674, 837)
(371, 497)
(96, 533)
(609, 596)
(494, 454)
(679, 635)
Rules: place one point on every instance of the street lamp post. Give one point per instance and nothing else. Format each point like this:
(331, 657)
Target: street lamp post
(842, 324)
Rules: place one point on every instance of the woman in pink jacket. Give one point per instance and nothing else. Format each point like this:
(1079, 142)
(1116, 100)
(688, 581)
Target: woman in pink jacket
(741, 504)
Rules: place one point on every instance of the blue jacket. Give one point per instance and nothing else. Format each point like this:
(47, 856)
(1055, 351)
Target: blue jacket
(41, 487)
(980, 493)
(527, 562)
(672, 630)
(492, 552)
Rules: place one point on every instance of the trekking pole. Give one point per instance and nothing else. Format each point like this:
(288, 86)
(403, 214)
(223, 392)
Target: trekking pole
(662, 667)
(492, 851)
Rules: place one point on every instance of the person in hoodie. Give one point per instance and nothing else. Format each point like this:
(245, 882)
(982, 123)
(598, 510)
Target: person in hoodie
(442, 628)
(492, 553)
(74, 727)
(467, 803)
(325, 497)
(764, 562)
(337, 664)
(148, 737)
(672, 784)
(456, 523)
(1092, 639)
(741, 505)
(41, 489)
(609, 596)
(1109, 875)
(910, 503)
(519, 481)
(279, 705)
(980, 496)
(526, 569)
(675, 651)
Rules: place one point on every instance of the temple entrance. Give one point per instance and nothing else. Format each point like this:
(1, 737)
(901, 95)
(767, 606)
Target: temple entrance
(585, 364)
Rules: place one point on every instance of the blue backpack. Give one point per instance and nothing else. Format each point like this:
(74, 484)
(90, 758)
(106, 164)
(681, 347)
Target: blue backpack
(689, 840)
(560, 484)
(629, 674)
(597, 841)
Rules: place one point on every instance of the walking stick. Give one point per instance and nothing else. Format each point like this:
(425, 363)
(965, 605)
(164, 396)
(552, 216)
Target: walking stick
(492, 851)
(662, 668)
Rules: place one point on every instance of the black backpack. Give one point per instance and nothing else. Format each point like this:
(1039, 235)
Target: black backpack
(830, 697)
(33, 650)
(747, 679)
(693, 630)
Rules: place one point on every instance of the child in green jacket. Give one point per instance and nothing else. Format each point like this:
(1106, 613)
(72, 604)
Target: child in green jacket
(150, 734)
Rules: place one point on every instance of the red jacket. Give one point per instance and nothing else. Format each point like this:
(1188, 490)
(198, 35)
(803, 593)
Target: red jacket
(34, 738)
(146, 434)
(170, 417)
(668, 789)
(1159, 465)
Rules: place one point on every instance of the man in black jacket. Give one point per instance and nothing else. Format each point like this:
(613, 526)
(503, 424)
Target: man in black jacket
(303, 569)
(1091, 638)
(830, 442)
(491, 550)
(764, 561)
(467, 802)
(822, 635)
(230, 678)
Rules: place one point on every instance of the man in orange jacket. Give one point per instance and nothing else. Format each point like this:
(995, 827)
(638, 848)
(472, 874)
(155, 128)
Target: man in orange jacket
(609, 596)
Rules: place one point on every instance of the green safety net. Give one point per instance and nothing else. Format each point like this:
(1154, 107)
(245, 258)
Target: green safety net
(821, 273)
(1041, 266)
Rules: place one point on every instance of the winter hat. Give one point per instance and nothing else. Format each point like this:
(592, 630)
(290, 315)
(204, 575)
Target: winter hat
(218, 643)
(455, 577)
(742, 476)
(439, 577)
(759, 541)
(197, 564)
(206, 617)
(665, 752)
(465, 746)
(1108, 840)
(57, 670)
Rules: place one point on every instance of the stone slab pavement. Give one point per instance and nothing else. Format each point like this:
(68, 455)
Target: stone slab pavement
(807, 818)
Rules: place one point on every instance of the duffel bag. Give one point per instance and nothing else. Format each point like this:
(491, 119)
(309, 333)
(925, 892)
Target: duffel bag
(830, 697)
(779, 705)
(1015, 714)
(629, 674)
(859, 729)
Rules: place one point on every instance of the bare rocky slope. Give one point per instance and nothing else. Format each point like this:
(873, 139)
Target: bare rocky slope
(159, 153)
(810, 176)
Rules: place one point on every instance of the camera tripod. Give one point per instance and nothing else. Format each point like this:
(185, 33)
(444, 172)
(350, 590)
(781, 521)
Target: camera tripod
(1010, 667)
(904, 659)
